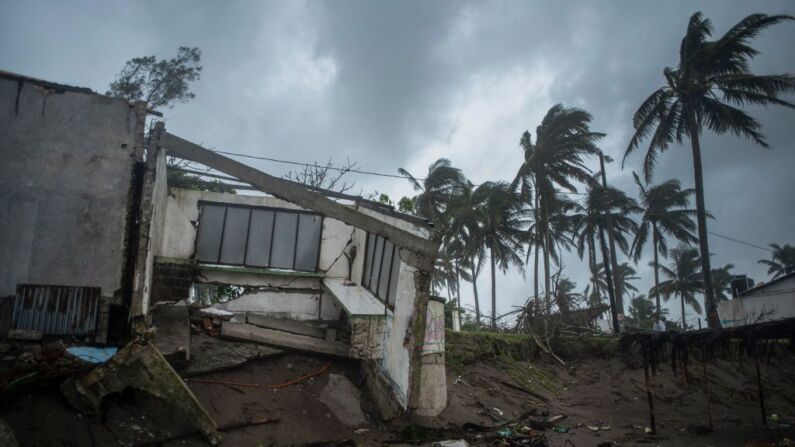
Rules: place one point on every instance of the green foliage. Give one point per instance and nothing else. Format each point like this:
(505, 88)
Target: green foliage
(159, 83)
(183, 180)
(407, 204)
(642, 313)
(781, 262)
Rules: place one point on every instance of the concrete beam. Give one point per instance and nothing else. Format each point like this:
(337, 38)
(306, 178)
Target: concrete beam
(248, 332)
(302, 197)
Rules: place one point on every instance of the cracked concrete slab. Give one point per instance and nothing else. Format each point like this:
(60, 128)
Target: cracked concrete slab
(344, 400)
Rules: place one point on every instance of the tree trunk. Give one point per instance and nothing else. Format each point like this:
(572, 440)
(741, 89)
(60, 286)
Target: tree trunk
(537, 247)
(493, 290)
(684, 322)
(617, 286)
(547, 275)
(701, 213)
(475, 290)
(458, 293)
(656, 271)
(609, 280)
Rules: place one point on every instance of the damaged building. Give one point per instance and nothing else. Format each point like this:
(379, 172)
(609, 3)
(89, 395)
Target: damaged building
(97, 249)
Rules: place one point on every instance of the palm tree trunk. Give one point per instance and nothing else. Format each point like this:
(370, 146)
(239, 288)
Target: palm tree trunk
(475, 290)
(613, 261)
(684, 322)
(537, 247)
(458, 293)
(592, 265)
(493, 290)
(609, 280)
(701, 213)
(656, 271)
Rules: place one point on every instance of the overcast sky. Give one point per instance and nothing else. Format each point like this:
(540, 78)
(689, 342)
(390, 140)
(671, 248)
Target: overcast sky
(400, 84)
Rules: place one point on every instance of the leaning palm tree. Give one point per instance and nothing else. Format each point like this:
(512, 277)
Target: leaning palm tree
(436, 189)
(502, 221)
(781, 262)
(684, 279)
(665, 214)
(712, 77)
(555, 160)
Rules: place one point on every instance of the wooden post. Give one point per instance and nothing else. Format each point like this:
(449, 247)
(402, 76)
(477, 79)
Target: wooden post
(759, 385)
(649, 396)
(706, 389)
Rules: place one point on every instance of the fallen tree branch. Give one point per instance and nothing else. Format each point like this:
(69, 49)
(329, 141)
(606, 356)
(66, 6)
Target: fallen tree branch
(548, 350)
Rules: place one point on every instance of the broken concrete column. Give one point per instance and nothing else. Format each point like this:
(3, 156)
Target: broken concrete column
(141, 366)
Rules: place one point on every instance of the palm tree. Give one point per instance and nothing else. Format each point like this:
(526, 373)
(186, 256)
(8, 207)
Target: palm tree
(565, 296)
(684, 279)
(624, 275)
(555, 160)
(466, 227)
(781, 262)
(712, 77)
(589, 222)
(665, 214)
(502, 230)
(722, 282)
(436, 189)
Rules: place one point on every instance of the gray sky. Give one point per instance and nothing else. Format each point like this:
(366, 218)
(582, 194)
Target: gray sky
(400, 84)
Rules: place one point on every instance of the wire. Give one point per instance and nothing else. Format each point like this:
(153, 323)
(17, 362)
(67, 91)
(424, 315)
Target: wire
(356, 171)
(740, 242)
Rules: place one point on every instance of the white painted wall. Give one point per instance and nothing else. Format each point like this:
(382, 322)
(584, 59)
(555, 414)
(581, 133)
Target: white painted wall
(179, 239)
(769, 302)
(156, 229)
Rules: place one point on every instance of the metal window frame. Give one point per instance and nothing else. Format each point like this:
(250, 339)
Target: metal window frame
(275, 210)
(369, 284)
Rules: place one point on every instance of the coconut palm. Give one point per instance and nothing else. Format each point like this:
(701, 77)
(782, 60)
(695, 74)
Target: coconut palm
(711, 78)
(555, 160)
(665, 214)
(466, 227)
(624, 275)
(502, 222)
(436, 189)
(684, 279)
(722, 282)
(589, 221)
(565, 297)
(781, 262)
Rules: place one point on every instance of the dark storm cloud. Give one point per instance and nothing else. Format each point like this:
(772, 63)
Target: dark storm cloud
(398, 84)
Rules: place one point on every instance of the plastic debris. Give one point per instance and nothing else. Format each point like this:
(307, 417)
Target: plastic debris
(505, 432)
(561, 429)
(91, 354)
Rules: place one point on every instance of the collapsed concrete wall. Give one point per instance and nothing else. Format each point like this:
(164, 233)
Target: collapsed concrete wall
(65, 189)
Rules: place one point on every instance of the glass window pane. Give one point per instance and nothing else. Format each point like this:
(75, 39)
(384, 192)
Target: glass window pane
(393, 280)
(259, 238)
(376, 268)
(383, 284)
(208, 242)
(308, 242)
(368, 260)
(284, 240)
(233, 249)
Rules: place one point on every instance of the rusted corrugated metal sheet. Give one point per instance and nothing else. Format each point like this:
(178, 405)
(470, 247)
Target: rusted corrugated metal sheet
(56, 310)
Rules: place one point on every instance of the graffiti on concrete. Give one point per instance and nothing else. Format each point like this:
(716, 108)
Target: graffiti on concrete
(434, 332)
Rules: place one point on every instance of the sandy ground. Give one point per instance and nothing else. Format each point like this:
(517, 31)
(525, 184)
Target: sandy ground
(597, 392)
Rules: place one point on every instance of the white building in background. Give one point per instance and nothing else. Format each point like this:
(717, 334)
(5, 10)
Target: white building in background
(770, 301)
